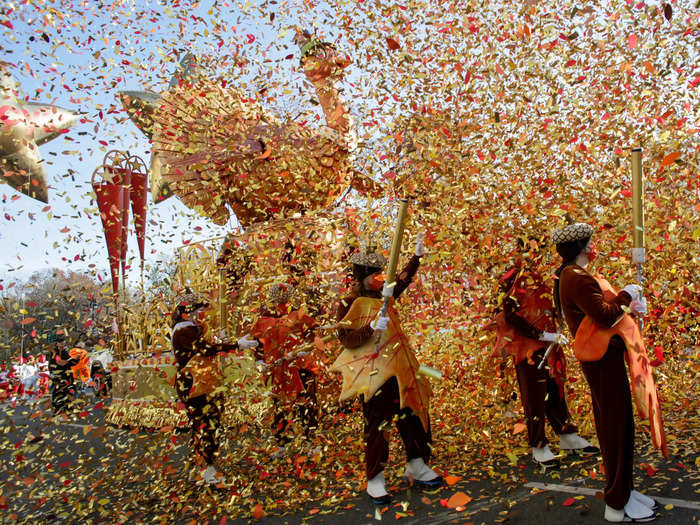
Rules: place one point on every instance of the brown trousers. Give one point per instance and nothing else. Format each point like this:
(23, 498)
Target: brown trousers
(305, 410)
(379, 412)
(540, 396)
(205, 418)
(614, 421)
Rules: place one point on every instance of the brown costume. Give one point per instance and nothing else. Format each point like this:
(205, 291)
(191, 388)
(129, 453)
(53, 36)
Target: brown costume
(203, 411)
(382, 407)
(580, 296)
(527, 312)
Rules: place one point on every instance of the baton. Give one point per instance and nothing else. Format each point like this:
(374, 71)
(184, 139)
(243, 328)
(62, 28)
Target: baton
(545, 356)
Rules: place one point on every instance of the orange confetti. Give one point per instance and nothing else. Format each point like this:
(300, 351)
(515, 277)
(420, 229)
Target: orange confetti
(518, 428)
(451, 480)
(669, 159)
(458, 499)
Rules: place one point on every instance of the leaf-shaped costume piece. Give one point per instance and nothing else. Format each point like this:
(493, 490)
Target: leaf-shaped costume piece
(534, 304)
(281, 338)
(366, 368)
(591, 344)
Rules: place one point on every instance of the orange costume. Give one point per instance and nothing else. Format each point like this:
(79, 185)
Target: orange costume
(81, 371)
(366, 368)
(281, 339)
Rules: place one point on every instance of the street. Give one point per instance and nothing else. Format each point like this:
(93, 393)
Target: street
(79, 470)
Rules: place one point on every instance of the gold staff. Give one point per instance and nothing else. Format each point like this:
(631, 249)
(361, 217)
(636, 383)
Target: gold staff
(638, 250)
(388, 290)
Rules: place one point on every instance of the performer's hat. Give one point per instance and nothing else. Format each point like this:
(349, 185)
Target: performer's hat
(573, 232)
(367, 256)
(189, 302)
(280, 293)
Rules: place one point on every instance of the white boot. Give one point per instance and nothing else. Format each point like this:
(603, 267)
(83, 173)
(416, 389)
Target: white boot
(577, 443)
(614, 515)
(644, 500)
(421, 473)
(376, 488)
(542, 454)
(633, 511)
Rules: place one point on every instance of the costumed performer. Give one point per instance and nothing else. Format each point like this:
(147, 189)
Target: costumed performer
(526, 327)
(197, 379)
(62, 380)
(385, 374)
(578, 296)
(284, 333)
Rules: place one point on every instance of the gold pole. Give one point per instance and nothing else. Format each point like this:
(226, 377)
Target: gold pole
(122, 319)
(223, 311)
(638, 249)
(388, 290)
(396, 246)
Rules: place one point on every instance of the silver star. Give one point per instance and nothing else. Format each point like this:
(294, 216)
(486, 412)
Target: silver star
(24, 127)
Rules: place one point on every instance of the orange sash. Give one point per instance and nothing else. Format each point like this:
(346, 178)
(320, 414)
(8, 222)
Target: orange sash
(590, 344)
(366, 368)
(206, 374)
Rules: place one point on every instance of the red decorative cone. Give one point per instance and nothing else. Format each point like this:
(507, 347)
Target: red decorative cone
(122, 176)
(110, 197)
(138, 196)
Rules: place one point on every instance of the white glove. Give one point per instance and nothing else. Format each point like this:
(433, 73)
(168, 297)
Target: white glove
(245, 342)
(380, 323)
(553, 337)
(634, 290)
(639, 306)
(420, 245)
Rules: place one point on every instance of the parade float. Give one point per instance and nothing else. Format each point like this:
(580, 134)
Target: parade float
(222, 153)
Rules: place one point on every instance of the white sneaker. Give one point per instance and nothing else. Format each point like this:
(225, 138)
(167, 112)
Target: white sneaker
(637, 511)
(542, 454)
(376, 488)
(421, 473)
(644, 500)
(211, 476)
(572, 441)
